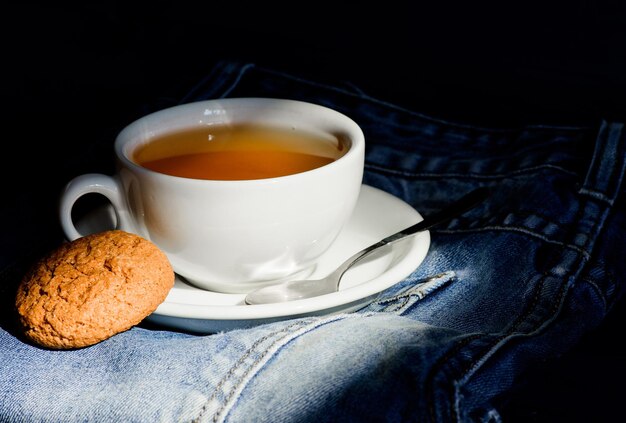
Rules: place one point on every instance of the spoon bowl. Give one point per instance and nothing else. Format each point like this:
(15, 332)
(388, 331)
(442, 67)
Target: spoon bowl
(301, 289)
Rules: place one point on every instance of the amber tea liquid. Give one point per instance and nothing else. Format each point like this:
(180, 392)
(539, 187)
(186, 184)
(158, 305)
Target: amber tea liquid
(238, 152)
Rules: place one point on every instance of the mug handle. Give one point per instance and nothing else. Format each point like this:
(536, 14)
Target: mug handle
(88, 183)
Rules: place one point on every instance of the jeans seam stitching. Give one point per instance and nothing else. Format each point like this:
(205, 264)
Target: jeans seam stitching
(301, 327)
(518, 229)
(511, 333)
(596, 288)
(382, 169)
(284, 332)
(468, 370)
(416, 291)
(416, 114)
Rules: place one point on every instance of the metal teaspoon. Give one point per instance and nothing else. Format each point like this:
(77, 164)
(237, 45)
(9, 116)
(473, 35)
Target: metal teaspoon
(301, 289)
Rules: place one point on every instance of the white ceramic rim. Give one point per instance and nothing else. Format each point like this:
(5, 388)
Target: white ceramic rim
(356, 135)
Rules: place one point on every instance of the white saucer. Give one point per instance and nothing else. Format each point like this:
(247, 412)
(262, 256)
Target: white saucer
(377, 215)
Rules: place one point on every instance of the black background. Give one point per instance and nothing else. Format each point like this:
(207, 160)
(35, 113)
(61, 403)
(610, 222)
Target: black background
(74, 75)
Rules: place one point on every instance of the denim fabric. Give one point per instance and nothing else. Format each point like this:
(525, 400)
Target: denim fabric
(511, 283)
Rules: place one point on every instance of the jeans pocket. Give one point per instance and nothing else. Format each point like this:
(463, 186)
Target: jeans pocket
(401, 298)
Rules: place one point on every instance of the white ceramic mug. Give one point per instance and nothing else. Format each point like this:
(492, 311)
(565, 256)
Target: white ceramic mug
(231, 236)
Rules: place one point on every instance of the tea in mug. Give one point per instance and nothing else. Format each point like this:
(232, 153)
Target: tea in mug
(239, 152)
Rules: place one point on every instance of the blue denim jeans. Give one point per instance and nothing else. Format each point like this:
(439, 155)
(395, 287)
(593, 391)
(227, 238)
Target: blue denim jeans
(512, 283)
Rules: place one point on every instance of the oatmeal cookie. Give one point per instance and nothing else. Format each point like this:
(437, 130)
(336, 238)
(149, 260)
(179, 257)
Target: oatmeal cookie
(92, 288)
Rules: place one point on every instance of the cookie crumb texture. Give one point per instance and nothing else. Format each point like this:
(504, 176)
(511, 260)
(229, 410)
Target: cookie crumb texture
(92, 288)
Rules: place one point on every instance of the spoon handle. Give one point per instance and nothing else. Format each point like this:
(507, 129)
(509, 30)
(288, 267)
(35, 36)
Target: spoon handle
(455, 209)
